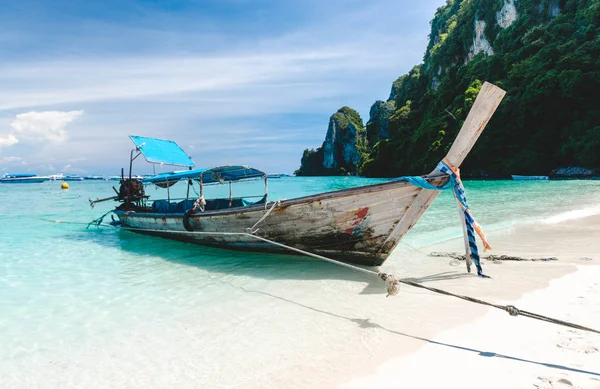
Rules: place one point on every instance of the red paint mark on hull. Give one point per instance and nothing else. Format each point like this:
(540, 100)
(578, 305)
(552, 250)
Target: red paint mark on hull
(361, 213)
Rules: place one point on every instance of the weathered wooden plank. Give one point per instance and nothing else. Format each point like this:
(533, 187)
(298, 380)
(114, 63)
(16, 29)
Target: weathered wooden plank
(485, 105)
(487, 101)
(354, 224)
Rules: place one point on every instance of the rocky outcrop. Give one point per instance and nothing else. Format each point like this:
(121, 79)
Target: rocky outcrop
(345, 140)
(507, 14)
(573, 171)
(480, 42)
(343, 148)
(396, 86)
(377, 126)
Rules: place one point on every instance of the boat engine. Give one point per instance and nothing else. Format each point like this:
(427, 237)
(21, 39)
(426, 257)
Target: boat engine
(131, 189)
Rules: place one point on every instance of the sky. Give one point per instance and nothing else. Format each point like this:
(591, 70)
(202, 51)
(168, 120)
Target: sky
(250, 82)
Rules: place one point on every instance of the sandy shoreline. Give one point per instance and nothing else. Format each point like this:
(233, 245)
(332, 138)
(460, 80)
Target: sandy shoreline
(499, 351)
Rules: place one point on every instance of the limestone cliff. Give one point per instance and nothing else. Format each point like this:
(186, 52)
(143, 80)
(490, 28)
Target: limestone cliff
(377, 126)
(343, 149)
(544, 53)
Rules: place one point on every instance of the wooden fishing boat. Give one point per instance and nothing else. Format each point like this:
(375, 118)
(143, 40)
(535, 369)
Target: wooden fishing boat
(360, 225)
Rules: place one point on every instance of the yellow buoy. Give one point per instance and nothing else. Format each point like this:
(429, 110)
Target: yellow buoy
(64, 185)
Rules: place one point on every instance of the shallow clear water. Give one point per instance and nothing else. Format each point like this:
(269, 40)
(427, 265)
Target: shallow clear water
(63, 286)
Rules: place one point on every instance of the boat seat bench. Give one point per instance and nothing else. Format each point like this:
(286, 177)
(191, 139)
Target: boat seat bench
(164, 206)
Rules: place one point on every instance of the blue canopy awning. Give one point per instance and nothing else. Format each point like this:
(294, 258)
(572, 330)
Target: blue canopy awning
(162, 151)
(219, 174)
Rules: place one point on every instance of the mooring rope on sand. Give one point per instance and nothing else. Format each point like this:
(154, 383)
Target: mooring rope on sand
(511, 309)
(392, 281)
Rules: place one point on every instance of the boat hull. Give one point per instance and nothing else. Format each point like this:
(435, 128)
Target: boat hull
(29, 180)
(352, 225)
(529, 178)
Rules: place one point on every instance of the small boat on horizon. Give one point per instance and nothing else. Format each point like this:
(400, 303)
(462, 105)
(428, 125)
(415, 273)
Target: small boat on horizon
(72, 177)
(360, 225)
(94, 177)
(23, 179)
(529, 178)
(277, 175)
(119, 178)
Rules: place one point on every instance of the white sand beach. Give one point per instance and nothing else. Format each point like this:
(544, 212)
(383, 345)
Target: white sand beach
(495, 350)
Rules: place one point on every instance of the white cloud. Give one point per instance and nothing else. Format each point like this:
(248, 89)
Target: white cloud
(62, 82)
(8, 140)
(42, 126)
(11, 159)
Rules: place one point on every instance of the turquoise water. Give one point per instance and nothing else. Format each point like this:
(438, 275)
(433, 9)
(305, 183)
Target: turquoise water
(65, 288)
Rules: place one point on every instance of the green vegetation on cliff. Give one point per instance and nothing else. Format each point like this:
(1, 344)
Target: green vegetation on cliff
(547, 58)
(544, 53)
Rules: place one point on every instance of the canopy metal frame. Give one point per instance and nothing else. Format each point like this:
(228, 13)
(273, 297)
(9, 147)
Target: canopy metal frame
(136, 152)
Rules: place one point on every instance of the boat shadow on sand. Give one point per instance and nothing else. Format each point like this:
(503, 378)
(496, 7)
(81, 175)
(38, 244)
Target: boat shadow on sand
(241, 263)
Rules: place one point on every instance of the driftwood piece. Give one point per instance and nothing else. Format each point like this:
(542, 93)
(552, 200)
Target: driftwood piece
(461, 257)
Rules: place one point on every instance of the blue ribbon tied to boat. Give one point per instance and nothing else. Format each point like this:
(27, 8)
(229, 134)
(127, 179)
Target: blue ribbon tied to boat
(458, 189)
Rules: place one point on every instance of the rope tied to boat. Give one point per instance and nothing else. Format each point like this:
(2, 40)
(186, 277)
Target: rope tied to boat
(455, 183)
(97, 222)
(253, 229)
(510, 309)
(199, 204)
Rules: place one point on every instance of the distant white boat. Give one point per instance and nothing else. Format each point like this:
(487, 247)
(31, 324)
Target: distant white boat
(72, 177)
(118, 178)
(529, 178)
(94, 178)
(23, 179)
